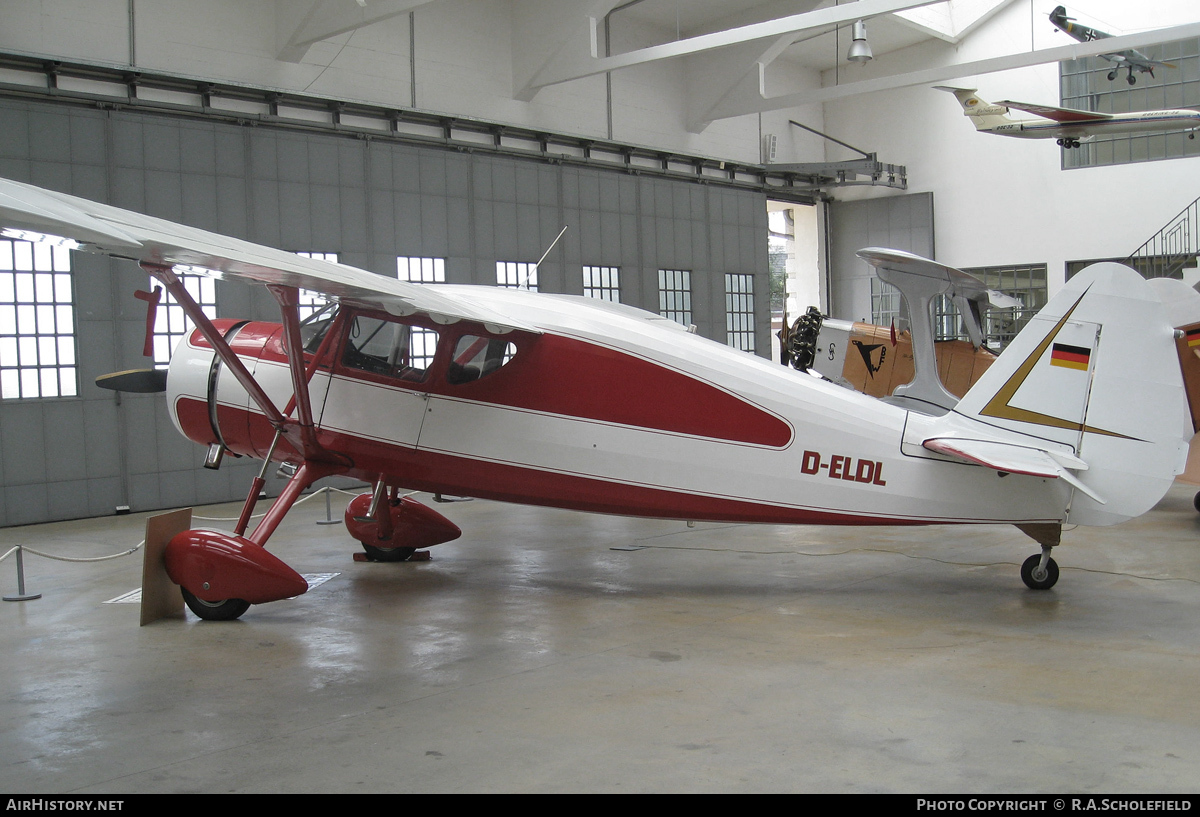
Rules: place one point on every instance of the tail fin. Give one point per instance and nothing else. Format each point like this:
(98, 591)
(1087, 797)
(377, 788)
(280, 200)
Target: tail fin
(984, 115)
(1095, 375)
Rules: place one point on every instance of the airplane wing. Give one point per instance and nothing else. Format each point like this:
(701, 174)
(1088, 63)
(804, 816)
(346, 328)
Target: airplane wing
(1013, 459)
(108, 230)
(1065, 115)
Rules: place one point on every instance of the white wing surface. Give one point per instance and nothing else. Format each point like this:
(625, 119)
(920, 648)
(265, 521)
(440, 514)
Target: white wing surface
(108, 230)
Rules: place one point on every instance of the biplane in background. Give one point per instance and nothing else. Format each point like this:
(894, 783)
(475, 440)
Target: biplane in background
(577, 403)
(882, 361)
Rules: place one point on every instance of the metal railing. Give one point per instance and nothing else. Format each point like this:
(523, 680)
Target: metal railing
(1172, 248)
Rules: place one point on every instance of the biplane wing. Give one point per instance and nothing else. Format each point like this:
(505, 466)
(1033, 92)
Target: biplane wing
(108, 230)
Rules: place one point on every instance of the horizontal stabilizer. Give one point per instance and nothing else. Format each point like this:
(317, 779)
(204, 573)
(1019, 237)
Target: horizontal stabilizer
(1065, 115)
(1014, 459)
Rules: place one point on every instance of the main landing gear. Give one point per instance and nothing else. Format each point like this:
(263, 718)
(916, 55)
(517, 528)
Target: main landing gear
(392, 528)
(225, 610)
(1068, 143)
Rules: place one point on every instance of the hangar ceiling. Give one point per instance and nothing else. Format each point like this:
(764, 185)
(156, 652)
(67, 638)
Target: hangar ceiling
(742, 56)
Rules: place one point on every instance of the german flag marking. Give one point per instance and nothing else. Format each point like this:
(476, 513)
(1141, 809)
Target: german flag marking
(1071, 357)
(1193, 337)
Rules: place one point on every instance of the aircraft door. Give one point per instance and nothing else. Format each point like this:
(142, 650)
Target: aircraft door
(378, 389)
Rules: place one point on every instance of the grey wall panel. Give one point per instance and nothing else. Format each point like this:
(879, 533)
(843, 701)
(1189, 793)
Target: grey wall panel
(368, 200)
(63, 440)
(88, 140)
(408, 224)
(198, 150)
(198, 200)
(49, 136)
(21, 434)
(164, 194)
(14, 124)
(435, 230)
(326, 233)
(458, 217)
(161, 148)
(895, 222)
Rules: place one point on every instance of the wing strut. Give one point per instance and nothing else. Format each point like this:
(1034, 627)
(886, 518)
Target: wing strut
(289, 300)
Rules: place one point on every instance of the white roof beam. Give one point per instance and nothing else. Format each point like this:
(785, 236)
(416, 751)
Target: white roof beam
(580, 65)
(747, 105)
(299, 25)
(551, 36)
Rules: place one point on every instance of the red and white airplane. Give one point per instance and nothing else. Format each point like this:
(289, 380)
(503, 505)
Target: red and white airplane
(577, 403)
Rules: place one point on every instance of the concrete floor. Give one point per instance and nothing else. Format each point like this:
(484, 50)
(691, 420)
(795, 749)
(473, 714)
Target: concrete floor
(529, 656)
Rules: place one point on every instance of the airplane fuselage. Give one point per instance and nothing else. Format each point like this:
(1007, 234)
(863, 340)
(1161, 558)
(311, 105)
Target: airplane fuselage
(608, 409)
(1142, 122)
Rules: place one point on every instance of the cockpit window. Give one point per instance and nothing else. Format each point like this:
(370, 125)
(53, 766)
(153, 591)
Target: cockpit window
(390, 348)
(476, 357)
(314, 327)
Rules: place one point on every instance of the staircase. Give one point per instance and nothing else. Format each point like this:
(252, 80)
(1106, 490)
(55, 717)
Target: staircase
(1172, 252)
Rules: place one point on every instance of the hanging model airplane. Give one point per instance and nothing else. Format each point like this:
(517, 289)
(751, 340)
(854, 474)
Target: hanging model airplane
(581, 404)
(1131, 60)
(1066, 125)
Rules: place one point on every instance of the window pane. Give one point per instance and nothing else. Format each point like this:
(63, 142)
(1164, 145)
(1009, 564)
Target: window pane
(37, 327)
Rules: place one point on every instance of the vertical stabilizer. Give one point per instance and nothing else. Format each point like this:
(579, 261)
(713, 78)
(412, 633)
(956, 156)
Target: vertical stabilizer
(983, 115)
(1096, 374)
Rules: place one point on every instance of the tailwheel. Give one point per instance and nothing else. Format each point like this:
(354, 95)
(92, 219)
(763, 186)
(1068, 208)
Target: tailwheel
(224, 610)
(378, 554)
(1035, 576)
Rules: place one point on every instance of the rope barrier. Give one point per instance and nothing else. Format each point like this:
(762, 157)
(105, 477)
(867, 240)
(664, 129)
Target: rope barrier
(19, 548)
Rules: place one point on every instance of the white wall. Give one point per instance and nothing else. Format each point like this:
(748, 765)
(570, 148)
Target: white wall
(1000, 200)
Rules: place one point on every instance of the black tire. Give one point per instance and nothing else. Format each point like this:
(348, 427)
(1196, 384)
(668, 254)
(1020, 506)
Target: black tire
(378, 554)
(226, 610)
(1045, 582)
(1196, 502)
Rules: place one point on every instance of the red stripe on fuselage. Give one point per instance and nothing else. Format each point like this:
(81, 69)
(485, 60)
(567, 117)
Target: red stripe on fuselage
(574, 378)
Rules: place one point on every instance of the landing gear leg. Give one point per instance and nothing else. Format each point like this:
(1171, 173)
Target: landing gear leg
(1040, 572)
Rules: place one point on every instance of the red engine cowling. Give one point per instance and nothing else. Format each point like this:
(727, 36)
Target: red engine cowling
(413, 525)
(216, 566)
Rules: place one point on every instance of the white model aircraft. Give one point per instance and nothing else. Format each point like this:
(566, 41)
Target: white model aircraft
(577, 403)
(1131, 59)
(1066, 125)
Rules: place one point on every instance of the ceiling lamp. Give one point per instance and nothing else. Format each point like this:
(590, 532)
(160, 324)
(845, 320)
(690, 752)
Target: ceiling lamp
(860, 50)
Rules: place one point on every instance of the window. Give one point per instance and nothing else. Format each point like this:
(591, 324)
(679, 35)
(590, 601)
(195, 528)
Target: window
(603, 283)
(37, 321)
(675, 295)
(171, 324)
(390, 348)
(313, 302)
(739, 311)
(1026, 283)
(885, 303)
(516, 275)
(476, 357)
(421, 270)
(1085, 85)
